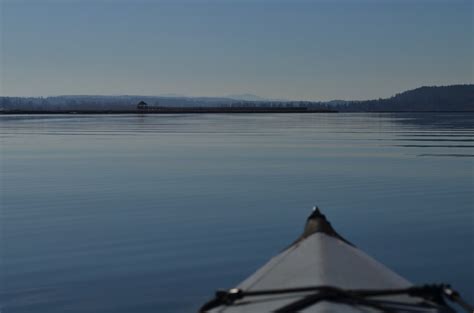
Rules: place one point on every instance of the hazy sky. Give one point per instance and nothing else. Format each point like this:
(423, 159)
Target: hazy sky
(317, 50)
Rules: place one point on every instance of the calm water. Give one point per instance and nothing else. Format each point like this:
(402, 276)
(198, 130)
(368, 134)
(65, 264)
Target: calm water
(133, 213)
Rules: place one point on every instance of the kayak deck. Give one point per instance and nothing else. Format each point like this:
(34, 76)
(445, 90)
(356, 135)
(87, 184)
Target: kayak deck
(320, 257)
(319, 260)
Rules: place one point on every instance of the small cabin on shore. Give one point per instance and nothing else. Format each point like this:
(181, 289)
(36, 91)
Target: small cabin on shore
(142, 105)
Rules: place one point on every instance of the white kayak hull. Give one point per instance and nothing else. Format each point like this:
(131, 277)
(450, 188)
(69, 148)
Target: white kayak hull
(320, 257)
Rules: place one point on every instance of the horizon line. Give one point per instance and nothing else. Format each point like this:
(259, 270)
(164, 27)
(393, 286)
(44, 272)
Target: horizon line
(229, 96)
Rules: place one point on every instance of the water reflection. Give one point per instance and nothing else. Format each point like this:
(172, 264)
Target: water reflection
(130, 213)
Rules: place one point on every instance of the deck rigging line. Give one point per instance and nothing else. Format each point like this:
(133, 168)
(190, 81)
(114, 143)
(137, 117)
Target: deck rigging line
(435, 294)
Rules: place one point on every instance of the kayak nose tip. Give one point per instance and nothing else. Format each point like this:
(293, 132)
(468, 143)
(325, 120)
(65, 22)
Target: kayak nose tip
(317, 223)
(316, 214)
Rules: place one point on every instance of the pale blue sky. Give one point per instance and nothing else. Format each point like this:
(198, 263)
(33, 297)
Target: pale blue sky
(316, 50)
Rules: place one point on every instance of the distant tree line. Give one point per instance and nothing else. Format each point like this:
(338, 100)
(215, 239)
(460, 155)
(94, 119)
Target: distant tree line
(445, 98)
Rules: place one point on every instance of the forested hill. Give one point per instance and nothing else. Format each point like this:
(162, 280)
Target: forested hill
(446, 98)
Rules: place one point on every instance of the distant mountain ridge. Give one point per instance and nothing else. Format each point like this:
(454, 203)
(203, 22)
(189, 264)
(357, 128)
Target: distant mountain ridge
(427, 98)
(246, 97)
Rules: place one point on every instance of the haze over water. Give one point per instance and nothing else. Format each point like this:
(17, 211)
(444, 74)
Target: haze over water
(153, 213)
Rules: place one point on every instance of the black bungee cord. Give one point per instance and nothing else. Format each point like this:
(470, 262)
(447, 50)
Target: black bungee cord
(433, 293)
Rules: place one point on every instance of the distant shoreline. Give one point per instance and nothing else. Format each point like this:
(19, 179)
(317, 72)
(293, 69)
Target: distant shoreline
(187, 110)
(90, 112)
(454, 98)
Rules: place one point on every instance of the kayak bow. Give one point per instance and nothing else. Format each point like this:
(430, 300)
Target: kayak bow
(323, 272)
